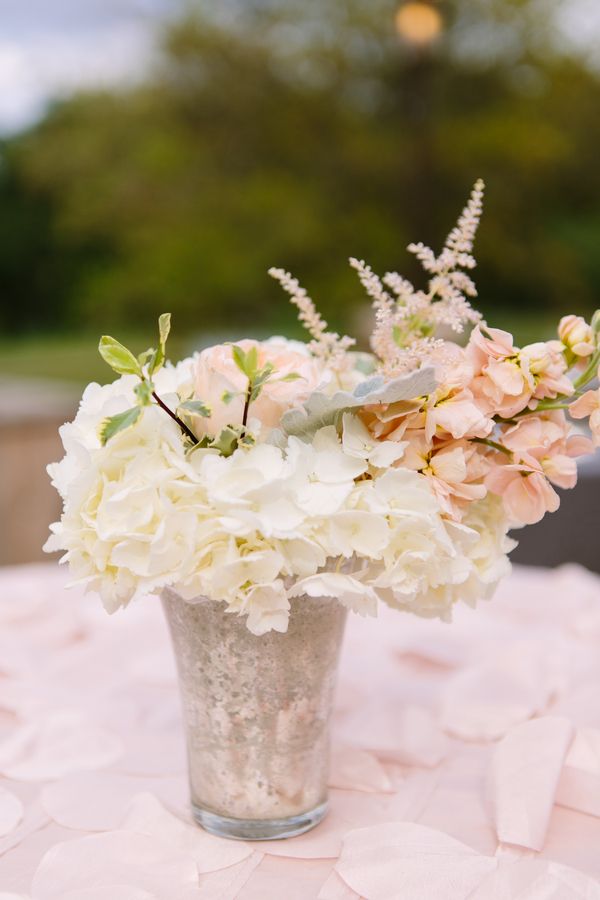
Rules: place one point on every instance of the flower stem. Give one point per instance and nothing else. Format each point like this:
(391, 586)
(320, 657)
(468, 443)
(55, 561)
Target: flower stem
(589, 373)
(494, 444)
(247, 403)
(182, 425)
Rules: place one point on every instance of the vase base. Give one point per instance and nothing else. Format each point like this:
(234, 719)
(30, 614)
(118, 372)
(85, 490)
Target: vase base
(258, 829)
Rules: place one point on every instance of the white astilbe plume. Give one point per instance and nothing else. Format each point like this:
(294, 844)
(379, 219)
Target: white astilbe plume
(326, 345)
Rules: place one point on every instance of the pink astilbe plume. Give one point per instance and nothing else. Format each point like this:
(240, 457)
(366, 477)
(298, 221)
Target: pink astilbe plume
(326, 345)
(382, 339)
(406, 319)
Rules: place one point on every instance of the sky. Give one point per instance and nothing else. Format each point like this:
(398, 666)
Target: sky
(48, 48)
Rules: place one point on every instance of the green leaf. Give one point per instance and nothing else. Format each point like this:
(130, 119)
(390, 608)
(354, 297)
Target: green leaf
(246, 362)
(118, 357)
(143, 392)
(148, 358)
(228, 396)
(291, 376)
(239, 358)
(112, 425)
(259, 381)
(226, 442)
(164, 328)
(247, 440)
(252, 362)
(198, 407)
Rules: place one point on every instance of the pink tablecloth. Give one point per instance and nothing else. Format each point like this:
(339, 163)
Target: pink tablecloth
(466, 759)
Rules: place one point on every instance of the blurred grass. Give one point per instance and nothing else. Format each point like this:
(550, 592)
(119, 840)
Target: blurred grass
(75, 358)
(69, 358)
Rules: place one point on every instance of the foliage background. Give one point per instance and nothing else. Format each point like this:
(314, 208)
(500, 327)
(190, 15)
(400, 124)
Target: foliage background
(296, 133)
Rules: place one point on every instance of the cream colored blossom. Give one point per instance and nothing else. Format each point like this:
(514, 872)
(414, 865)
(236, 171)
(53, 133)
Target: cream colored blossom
(142, 514)
(577, 335)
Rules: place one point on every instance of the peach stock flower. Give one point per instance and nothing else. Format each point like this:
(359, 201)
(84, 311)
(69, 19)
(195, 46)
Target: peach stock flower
(455, 472)
(577, 335)
(543, 451)
(546, 362)
(526, 493)
(217, 377)
(589, 405)
(494, 344)
(544, 444)
(504, 387)
(501, 384)
(455, 414)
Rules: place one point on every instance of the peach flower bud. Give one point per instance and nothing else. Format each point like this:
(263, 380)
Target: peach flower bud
(577, 335)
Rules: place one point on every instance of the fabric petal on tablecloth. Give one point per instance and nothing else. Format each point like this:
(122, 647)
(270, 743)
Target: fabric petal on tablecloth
(64, 742)
(408, 735)
(357, 770)
(226, 884)
(402, 859)
(525, 770)
(98, 801)
(335, 888)
(536, 879)
(148, 816)
(482, 702)
(116, 858)
(11, 811)
(579, 785)
(112, 892)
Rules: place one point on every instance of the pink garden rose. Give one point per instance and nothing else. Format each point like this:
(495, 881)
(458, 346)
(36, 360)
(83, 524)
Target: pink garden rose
(217, 377)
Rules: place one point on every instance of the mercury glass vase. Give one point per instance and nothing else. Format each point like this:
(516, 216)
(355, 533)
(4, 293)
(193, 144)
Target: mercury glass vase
(257, 714)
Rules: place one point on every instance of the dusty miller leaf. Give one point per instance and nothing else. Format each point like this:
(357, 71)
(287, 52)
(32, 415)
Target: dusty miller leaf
(321, 409)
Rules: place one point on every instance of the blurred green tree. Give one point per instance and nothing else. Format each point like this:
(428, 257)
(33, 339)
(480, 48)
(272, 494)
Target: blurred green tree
(295, 133)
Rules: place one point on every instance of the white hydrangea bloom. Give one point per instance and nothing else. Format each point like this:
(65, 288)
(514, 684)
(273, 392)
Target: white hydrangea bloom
(261, 526)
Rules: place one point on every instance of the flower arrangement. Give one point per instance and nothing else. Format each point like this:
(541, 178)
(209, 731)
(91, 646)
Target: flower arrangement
(257, 471)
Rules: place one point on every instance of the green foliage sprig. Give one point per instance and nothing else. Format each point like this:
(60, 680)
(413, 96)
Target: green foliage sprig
(124, 362)
(146, 364)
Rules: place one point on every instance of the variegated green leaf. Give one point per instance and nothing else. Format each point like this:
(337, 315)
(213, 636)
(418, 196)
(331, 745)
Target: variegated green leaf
(114, 424)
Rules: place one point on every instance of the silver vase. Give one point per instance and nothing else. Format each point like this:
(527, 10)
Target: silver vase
(257, 713)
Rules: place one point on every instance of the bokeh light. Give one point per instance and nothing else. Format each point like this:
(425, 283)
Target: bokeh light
(419, 23)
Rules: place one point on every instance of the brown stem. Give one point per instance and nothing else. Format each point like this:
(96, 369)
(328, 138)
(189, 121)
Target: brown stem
(247, 404)
(176, 418)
